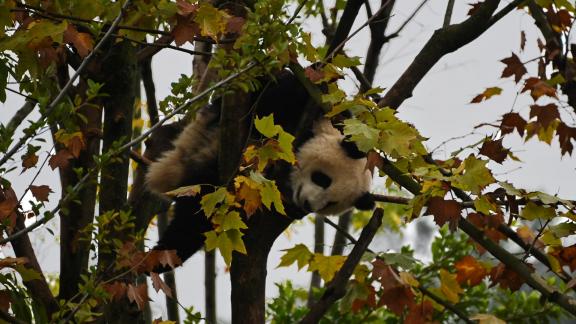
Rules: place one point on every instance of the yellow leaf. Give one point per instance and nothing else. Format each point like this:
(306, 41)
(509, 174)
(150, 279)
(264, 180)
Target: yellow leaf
(449, 286)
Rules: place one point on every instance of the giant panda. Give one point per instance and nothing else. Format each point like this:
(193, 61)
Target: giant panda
(329, 177)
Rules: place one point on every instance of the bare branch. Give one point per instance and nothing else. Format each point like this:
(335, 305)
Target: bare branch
(448, 15)
(377, 39)
(20, 115)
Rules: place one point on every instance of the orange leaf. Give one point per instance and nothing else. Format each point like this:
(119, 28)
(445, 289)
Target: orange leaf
(138, 294)
(29, 160)
(83, 42)
(159, 284)
(469, 270)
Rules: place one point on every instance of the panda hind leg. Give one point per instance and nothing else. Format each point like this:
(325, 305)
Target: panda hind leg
(185, 233)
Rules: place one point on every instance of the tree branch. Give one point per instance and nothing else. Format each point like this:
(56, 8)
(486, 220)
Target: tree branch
(336, 289)
(442, 42)
(377, 39)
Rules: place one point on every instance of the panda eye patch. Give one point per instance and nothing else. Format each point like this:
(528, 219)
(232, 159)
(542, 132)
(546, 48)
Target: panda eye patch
(321, 179)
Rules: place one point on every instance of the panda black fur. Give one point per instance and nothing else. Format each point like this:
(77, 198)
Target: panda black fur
(330, 175)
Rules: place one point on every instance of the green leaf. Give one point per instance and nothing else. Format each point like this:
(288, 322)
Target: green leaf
(226, 243)
(209, 201)
(363, 135)
(212, 21)
(266, 126)
(299, 254)
(36, 32)
(233, 221)
(269, 192)
(475, 175)
(327, 266)
(343, 61)
(532, 211)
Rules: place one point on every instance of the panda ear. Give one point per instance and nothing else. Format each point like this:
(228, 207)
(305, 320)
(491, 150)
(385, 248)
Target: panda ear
(365, 202)
(352, 150)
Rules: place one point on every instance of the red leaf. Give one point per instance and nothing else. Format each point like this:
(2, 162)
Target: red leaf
(545, 114)
(184, 31)
(166, 258)
(444, 211)
(138, 295)
(40, 192)
(159, 284)
(185, 8)
(488, 224)
(494, 150)
(397, 299)
(83, 42)
(511, 121)
(420, 313)
(513, 68)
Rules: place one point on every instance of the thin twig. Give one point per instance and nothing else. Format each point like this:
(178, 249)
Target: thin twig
(70, 82)
(448, 15)
(446, 304)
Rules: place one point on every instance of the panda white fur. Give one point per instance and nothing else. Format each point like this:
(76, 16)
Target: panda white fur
(330, 175)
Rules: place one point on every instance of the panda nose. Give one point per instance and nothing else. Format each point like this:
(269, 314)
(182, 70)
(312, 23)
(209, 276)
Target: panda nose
(307, 206)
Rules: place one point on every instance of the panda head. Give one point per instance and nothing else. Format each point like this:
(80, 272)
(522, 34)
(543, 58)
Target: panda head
(331, 175)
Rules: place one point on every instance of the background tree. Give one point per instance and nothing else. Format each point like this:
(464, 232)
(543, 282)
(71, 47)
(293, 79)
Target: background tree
(80, 65)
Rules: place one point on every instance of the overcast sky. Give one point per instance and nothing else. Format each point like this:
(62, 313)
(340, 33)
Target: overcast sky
(439, 108)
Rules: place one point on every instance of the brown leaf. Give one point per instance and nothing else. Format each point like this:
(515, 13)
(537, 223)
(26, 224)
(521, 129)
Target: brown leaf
(397, 299)
(528, 236)
(566, 256)
(40, 192)
(506, 277)
(545, 114)
(488, 224)
(83, 42)
(185, 8)
(559, 21)
(513, 68)
(538, 88)
(29, 160)
(76, 144)
(511, 121)
(368, 302)
(159, 284)
(487, 94)
(138, 294)
(444, 211)
(8, 206)
(184, 31)
(374, 160)
(494, 150)
(313, 75)
(420, 313)
(522, 40)
(235, 24)
(116, 289)
(11, 262)
(470, 271)
(61, 159)
(565, 136)
(166, 258)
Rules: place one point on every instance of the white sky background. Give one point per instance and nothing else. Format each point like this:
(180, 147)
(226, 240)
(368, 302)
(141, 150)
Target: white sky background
(439, 108)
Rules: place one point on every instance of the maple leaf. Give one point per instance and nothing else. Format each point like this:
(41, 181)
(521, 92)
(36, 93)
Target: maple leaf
(511, 121)
(40, 192)
(212, 21)
(538, 88)
(566, 256)
(487, 319)
(565, 136)
(532, 211)
(487, 94)
(117, 290)
(513, 68)
(420, 313)
(299, 254)
(365, 297)
(186, 191)
(327, 266)
(397, 299)
(83, 42)
(473, 175)
(545, 114)
(166, 258)
(313, 74)
(248, 191)
(61, 159)
(488, 224)
(138, 294)
(469, 271)
(185, 8)
(184, 31)
(506, 277)
(494, 150)
(444, 211)
(449, 286)
(8, 206)
(30, 159)
(159, 284)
